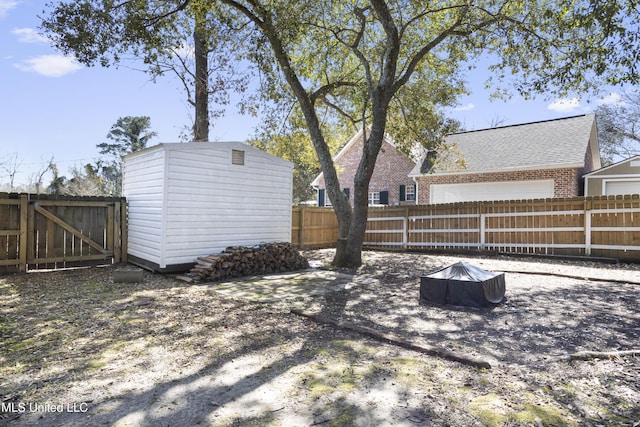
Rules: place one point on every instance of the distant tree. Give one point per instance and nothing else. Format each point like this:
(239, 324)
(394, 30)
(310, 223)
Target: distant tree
(38, 176)
(497, 121)
(292, 142)
(187, 39)
(619, 128)
(56, 186)
(12, 166)
(84, 182)
(128, 135)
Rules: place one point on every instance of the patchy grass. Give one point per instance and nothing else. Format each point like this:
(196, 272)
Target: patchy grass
(162, 352)
(546, 415)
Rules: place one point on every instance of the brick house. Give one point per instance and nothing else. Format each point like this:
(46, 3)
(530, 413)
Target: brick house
(528, 161)
(390, 183)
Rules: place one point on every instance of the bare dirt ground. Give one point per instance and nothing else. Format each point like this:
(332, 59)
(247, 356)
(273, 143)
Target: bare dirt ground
(81, 350)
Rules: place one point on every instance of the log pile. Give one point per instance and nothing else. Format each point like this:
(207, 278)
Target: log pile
(238, 261)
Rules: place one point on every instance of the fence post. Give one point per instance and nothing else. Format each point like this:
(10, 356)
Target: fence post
(405, 227)
(587, 227)
(124, 231)
(482, 219)
(24, 225)
(300, 224)
(117, 232)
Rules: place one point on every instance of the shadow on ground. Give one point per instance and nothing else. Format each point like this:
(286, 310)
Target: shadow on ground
(165, 353)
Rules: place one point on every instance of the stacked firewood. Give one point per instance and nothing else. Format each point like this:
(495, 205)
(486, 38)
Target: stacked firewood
(238, 261)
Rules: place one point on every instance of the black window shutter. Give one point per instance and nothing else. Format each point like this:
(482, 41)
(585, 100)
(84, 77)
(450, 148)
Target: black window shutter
(415, 192)
(321, 197)
(403, 192)
(346, 192)
(384, 197)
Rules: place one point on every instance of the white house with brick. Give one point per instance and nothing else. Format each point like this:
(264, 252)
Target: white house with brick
(390, 183)
(528, 161)
(617, 179)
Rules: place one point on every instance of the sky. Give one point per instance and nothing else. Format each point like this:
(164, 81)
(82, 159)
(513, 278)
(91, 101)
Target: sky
(55, 108)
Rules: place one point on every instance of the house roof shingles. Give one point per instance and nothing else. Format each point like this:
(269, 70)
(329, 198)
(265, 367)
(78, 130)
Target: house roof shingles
(545, 144)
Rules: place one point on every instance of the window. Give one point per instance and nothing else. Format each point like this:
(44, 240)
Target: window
(327, 201)
(410, 193)
(374, 197)
(378, 198)
(323, 199)
(237, 157)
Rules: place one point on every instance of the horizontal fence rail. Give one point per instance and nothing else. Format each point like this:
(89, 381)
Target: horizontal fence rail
(604, 226)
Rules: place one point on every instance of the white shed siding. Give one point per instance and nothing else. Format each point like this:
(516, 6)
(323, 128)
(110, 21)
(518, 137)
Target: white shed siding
(207, 203)
(233, 204)
(143, 185)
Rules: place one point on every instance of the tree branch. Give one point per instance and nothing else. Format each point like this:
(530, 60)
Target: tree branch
(263, 20)
(328, 88)
(415, 60)
(152, 21)
(390, 58)
(339, 110)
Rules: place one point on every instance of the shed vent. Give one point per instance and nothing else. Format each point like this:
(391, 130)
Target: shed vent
(237, 157)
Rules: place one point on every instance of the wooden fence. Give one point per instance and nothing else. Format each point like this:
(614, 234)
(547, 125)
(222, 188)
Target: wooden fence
(605, 226)
(39, 231)
(313, 227)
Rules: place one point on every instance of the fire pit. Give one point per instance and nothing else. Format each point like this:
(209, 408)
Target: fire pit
(463, 284)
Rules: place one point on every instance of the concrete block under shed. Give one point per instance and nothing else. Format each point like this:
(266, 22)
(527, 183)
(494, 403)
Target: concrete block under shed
(128, 275)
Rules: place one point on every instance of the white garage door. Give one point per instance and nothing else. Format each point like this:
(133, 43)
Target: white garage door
(478, 191)
(622, 187)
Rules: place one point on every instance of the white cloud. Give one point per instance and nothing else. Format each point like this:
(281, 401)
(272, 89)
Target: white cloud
(6, 6)
(467, 107)
(50, 65)
(565, 105)
(29, 35)
(613, 98)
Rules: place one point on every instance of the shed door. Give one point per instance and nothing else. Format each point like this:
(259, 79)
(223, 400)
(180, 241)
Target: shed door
(622, 187)
(478, 191)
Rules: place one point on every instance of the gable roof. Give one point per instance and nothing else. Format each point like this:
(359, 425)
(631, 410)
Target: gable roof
(544, 144)
(356, 138)
(614, 166)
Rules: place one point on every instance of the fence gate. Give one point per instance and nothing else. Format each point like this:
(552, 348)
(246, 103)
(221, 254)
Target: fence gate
(38, 232)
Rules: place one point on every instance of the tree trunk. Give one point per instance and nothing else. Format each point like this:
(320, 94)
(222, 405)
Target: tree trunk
(349, 244)
(201, 123)
(352, 223)
(349, 248)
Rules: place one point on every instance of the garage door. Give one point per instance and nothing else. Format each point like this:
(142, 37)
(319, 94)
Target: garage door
(478, 191)
(622, 187)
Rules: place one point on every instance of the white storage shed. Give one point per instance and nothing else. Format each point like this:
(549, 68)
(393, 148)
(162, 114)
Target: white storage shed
(195, 199)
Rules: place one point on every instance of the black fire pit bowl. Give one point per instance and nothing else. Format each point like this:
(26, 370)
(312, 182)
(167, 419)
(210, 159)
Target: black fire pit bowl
(462, 284)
